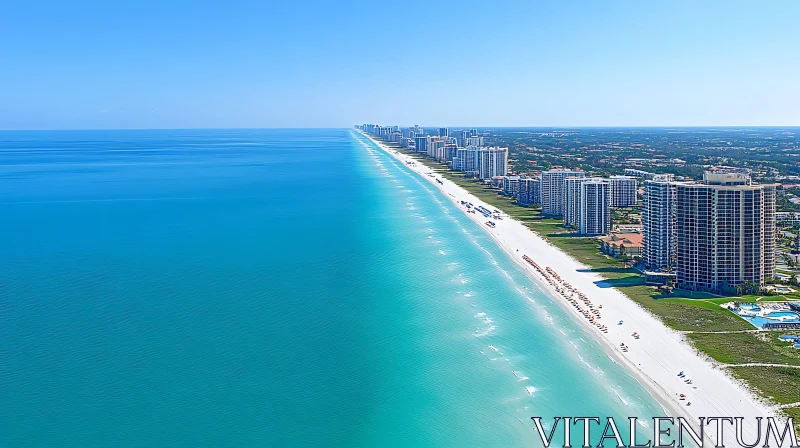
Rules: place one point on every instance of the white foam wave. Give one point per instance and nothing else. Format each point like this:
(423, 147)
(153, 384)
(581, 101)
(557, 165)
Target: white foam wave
(485, 332)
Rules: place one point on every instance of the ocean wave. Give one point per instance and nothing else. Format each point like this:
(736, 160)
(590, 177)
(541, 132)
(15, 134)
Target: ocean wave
(480, 333)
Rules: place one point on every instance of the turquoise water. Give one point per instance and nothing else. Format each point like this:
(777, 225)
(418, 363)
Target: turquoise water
(268, 288)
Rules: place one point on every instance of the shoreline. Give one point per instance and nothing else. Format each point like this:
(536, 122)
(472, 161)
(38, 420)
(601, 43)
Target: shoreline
(654, 359)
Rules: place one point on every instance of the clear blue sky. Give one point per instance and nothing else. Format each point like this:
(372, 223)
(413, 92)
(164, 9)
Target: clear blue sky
(296, 63)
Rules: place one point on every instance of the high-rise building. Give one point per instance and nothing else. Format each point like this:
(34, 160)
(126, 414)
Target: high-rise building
(594, 214)
(421, 143)
(658, 224)
(473, 132)
(466, 160)
(474, 141)
(484, 167)
(449, 152)
(511, 185)
(623, 191)
(572, 199)
(492, 162)
(409, 133)
(436, 148)
(462, 138)
(444, 132)
(529, 191)
(552, 185)
(646, 175)
(725, 233)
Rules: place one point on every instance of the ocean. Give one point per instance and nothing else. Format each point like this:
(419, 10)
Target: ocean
(268, 288)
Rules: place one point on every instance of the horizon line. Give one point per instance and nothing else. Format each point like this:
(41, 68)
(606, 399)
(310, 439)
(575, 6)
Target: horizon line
(421, 126)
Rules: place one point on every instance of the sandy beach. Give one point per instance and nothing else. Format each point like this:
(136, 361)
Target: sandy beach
(655, 358)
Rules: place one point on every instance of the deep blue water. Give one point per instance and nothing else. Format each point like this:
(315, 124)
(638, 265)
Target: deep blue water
(267, 288)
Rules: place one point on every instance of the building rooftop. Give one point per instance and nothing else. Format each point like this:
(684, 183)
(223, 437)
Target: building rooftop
(726, 178)
(628, 239)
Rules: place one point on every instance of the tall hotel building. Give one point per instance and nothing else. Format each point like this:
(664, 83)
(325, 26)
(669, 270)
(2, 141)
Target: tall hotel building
(529, 191)
(552, 185)
(465, 160)
(658, 223)
(623, 191)
(462, 139)
(725, 232)
(594, 212)
(572, 199)
(492, 162)
(474, 141)
(421, 143)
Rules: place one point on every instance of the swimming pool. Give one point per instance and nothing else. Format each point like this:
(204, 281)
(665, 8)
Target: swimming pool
(758, 316)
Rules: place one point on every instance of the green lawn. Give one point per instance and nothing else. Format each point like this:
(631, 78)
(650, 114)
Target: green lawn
(739, 348)
(781, 384)
(795, 414)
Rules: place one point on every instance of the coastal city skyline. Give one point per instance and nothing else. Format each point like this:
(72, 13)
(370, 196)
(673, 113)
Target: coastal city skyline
(716, 234)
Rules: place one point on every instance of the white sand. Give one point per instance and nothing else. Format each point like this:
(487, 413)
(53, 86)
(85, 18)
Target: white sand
(655, 359)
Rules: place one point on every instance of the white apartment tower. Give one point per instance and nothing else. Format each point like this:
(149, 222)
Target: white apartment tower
(492, 162)
(474, 141)
(658, 224)
(594, 214)
(725, 233)
(552, 190)
(623, 191)
(572, 199)
(466, 160)
(529, 191)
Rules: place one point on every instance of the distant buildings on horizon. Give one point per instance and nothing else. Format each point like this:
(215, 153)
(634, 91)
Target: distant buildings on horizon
(466, 153)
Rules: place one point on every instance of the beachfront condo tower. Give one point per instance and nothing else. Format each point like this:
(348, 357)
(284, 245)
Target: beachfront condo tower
(623, 191)
(572, 200)
(492, 162)
(658, 223)
(529, 191)
(474, 141)
(594, 212)
(465, 160)
(553, 190)
(725, 233)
